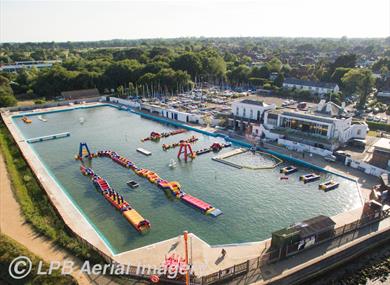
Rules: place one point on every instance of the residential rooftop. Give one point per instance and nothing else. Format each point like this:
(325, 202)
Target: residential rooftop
(309, 83)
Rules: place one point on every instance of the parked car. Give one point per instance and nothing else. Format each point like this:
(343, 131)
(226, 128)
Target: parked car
(302, 105)
(342, 153)
(330, 157)
(383, 120)
(370, 117)
(377, 119)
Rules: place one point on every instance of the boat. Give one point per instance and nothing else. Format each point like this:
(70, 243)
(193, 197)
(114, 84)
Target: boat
(26, 120)
(132, 184)
(172, 163)
(42, 118)
(309, 177)
(144, 151)
(82, 120)
(288, 170)
(284, 178)
(329, 185)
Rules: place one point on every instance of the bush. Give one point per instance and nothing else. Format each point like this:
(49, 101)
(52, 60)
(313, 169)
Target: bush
(376, 126)
(40, 101)
(34, 202)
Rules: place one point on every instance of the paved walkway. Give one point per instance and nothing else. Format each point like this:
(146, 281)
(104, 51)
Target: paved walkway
(13, 224)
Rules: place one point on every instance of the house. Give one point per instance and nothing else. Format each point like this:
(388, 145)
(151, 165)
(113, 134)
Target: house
(28, 65)
(247, 112)
(312, 86)
(327, 127)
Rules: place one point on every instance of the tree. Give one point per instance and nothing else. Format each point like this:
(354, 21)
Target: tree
(275, 65)
(347, 60)
(359, 81)
(39, 55)
(240, 74)
(338, 75)
(260, 72)
(189, 62)
(7, 97)
(279, 80)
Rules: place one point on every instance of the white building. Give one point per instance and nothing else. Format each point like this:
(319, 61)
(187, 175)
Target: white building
(248, 112)
(320, 128)
(28, 65)
(250, 109)
(312, 86)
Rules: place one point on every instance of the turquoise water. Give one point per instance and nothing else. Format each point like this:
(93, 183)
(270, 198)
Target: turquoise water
(254, 203)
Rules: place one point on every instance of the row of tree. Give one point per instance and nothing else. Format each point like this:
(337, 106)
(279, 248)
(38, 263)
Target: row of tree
(167, 69)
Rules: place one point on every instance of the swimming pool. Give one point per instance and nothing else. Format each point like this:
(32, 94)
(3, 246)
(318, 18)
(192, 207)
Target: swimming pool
(254, 202)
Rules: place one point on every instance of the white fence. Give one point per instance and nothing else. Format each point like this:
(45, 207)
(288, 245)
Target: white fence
(295, 146)
(365, 167)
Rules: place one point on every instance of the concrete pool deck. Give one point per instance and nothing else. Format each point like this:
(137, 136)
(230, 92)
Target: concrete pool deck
(204, 257)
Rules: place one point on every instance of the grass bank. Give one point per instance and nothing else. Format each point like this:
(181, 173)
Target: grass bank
(10, 249)
(35, 204)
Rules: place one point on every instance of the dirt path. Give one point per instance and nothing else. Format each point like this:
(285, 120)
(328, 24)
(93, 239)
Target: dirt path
(13, 224)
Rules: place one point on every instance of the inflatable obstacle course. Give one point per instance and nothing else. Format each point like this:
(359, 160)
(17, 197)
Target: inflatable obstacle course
(329, 185)
(192, 139)
(215, 147)
(311, 177)
(185, 150)
(154, 136)
(117, 200)
(26, 120)
(84, 152)
(172, 186)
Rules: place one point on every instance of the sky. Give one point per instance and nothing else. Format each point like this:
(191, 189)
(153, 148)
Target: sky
(34, 21)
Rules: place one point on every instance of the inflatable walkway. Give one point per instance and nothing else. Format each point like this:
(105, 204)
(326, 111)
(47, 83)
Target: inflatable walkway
(173, 187)
(116, 200)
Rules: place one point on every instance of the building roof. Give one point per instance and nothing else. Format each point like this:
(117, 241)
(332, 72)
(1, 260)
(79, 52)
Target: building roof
(331, 109)
(314, 225)
(310, 83)
(383, 144)
(312, 117)
(253, 102)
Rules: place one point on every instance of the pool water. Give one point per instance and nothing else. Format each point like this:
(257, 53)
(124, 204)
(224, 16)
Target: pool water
(252, 160)
(254, 202)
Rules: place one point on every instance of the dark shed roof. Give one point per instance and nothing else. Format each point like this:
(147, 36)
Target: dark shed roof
(314, 225)
(253, 102)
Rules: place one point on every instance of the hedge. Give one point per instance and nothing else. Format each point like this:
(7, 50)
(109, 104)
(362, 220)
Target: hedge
(377, 126)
